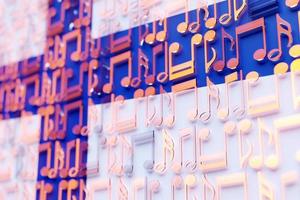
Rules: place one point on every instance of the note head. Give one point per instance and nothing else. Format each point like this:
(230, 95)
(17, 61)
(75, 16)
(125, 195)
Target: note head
(194, 27)
(150, 79)
(176, 167)
(75, 56)
(162, 77)
(155, 185)
(175, 47)
(223, 114)
(182, 28)
(204, 134)
(177, 182)
(150, 38)
(210, 35)
(48, 187)
(211, 23)
(44, 171)
(73, 172)
(73, 184)
(192, 115)
(256, 162)
(190, 180)
(128, 170)
(161, 36)
(125, 82)
(245, 126)
(219, 65)
(272, 162)
(135, 82)
(274, 55)
(230, 128)
(139, 93)
(295, 51)
(63, 173)
(232, 63)
(76, 129)
(225, 19)
(292, 3)
(259, 55)
(281, 69)
(204, 117)
(52, 173)
(149, 166)
(107, 88)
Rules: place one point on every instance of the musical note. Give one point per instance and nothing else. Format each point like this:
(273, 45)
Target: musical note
(190, 182)
(226, 18)
(114, 61)
(212, 93)
(159, 36)
(266, 104)
(45, 113)
(162, 77)
(283, 28)
(272, 161)
(46, 147)
(232, 180)
(186, 134)
(213, 162)
(209, 37)
(223, 113)
(61, 47)
(154, 188)
(137, 140)
(168, 148)
(183, 26)
(154, 118)
(194, 27)
(219, 65)
(238, 12)
(66, 170)
(246, 29)
(59, 156)
(187, 68)
(123, 125)
(177, 184)
(212, 21)
(69, 108)
(184, 88)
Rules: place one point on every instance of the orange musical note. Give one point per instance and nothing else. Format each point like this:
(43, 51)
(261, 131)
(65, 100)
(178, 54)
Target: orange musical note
(283, 28)
(46, 147)
(246, 29)
(187, 68)
(219, 65)
(114, 61)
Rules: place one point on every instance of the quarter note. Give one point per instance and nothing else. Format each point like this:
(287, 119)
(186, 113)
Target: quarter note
(219, 65)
